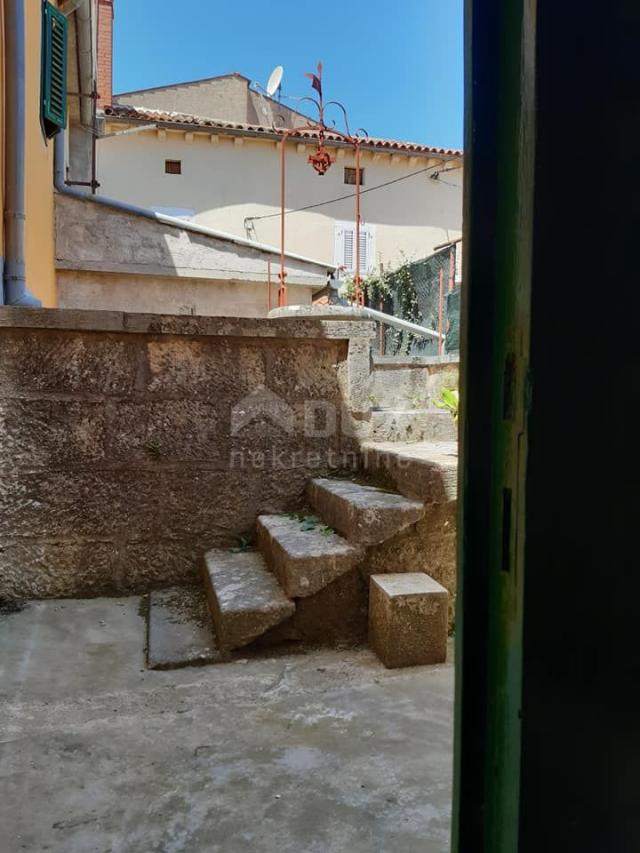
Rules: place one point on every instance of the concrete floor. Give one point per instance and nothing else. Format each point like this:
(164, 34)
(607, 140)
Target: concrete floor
(313, 753)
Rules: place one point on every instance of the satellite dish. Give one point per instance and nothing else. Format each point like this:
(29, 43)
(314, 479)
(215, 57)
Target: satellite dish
(275, 79)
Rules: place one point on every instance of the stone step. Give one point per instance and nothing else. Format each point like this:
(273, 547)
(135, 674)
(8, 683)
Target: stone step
(304, 558)
(179, 629)
(427, 470)
(412, 425)
(244, 596)
(365, 515)
(408, 619)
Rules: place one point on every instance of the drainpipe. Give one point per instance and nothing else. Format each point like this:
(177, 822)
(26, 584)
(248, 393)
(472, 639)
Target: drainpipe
(86, 81)
(15, 283)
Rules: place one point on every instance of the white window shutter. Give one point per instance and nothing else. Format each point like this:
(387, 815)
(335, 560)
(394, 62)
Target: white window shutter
(364, 250)
(349, 249)
(345, 247)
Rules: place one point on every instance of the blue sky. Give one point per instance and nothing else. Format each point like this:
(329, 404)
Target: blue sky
(397, 66)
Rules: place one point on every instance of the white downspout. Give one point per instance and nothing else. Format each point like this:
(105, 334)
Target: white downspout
(15, 283)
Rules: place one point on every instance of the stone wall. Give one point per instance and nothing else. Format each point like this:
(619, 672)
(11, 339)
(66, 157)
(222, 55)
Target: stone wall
(132, 443)
(409, 383)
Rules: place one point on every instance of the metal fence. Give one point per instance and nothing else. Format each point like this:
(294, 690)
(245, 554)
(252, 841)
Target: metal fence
(426, 292)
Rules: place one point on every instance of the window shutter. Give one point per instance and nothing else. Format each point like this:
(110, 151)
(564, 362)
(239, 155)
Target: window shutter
(349, 249)
(364, 250)
(54, 70)
(345, 253)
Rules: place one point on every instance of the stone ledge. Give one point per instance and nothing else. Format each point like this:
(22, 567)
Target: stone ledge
(392, 361)
(68, 319)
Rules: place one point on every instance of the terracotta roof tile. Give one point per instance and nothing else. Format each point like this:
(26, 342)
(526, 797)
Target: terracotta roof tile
(132, 113)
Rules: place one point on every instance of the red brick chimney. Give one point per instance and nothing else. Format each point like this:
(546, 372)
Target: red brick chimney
(105, 52)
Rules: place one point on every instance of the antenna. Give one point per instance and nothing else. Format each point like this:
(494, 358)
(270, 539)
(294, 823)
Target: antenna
(275, 80)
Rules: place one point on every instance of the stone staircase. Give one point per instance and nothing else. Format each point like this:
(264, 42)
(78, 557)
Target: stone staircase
(307, 580)
(306, 575)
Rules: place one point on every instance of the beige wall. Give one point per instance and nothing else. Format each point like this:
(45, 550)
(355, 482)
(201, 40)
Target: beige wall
(112, 259)
(223, 182)
(39, 236)
(226, 98)
(154, 294)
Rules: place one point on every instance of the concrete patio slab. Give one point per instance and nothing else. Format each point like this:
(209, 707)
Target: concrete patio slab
(180, 629)
(319, 752)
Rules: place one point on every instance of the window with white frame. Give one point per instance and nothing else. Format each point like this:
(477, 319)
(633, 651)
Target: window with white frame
(345, 253)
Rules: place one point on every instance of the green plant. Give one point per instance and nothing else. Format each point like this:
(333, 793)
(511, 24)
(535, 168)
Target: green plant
(448, 400)
(153, 448)
(310, 522)
(375, 287)
(241, 547)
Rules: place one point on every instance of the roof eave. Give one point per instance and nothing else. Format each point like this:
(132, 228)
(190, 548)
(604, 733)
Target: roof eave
(193, 127)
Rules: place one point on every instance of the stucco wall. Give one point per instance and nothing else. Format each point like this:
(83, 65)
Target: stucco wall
(226, 98)
(177, 295)
(114, 260)
(130, 444)
(223, 182)
(39, 230)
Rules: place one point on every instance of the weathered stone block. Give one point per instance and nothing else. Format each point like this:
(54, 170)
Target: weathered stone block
(425, 471)
(413, 425)
(68, 362)
(303, 370)
(363, 514)
(50, 432)
(78, 504)
(36, 569)
(305, 560)
(407, 619)
(167, 431)
(154, 563)
(245, 598)
(204, 368)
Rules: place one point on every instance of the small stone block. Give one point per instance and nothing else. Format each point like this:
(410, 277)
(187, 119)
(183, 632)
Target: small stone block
(245, 599)
(408, 619)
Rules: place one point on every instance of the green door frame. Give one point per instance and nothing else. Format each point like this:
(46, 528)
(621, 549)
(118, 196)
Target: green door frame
(498, 205)
(547, 671)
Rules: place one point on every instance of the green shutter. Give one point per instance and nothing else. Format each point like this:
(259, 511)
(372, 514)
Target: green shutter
(54, 69)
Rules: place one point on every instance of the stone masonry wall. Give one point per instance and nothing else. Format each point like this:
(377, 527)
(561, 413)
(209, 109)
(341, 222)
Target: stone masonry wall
(132, 443)
(411, 383)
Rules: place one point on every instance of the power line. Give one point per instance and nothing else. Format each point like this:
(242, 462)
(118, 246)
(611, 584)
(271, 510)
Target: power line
(362, 192)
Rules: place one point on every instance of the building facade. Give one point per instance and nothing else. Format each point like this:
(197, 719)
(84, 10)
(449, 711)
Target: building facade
(209, 151)
(27, 155)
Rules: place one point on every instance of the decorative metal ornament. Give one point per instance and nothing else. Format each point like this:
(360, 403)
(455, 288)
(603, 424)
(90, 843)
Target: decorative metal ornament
(321, 161)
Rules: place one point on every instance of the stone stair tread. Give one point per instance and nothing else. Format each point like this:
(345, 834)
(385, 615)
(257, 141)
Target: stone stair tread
(304, 560)
(364, 496)
(179, 629)
(364, 514)
(244, 596)
(426, 470)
